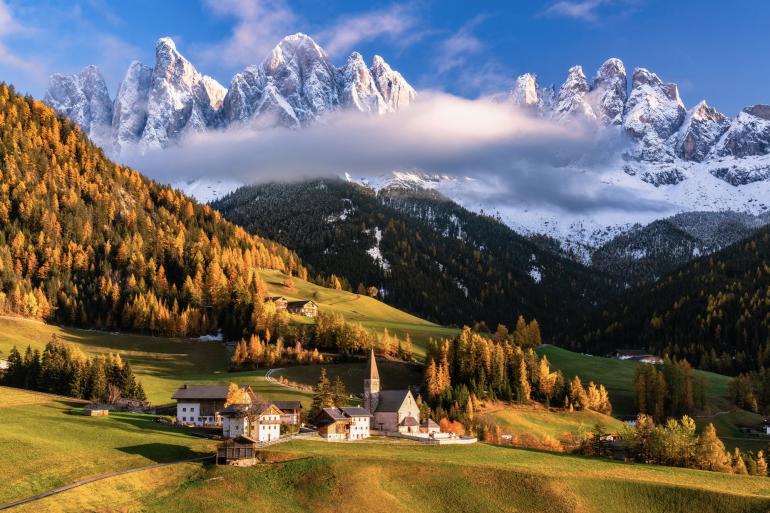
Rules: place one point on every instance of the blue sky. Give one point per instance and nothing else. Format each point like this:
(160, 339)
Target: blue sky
(714, 50)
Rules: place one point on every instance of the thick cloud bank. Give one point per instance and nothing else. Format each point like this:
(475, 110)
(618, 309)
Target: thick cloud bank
(522, 160)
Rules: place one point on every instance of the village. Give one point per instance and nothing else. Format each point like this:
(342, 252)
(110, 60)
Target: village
(246, 422)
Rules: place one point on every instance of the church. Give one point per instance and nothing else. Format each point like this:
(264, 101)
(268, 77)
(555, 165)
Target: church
(392, 410)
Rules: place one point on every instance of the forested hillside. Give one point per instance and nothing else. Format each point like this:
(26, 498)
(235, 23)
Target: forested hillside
(644, 254)
(87, 242)
(715, 312)
(420, 252)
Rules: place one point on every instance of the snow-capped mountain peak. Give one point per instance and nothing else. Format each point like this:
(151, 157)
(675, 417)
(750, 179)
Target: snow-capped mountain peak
(84, 99)
(358, 88)
(393, 87)
(609, 92)
(572, 101)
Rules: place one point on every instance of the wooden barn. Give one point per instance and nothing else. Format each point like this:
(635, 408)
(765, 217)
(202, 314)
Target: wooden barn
(236, 449)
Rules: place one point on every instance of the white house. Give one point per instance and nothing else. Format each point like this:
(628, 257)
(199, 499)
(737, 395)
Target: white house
(200, 405)
(260, 422)
(346, 423)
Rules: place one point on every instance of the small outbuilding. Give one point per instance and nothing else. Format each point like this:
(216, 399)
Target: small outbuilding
(97, 410)
(236, 449)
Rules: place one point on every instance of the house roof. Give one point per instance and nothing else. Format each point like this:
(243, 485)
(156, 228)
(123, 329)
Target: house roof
(373, 372)
(243, 439)
(355, 411)
(409, 422)
(391, 400)
(276, 298)
(288, 405)
(201, 392)
(235, 410)
(301, 303)
(333, 415)
(429, 423)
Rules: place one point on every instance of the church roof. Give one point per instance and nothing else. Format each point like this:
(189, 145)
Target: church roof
(391, 400)
(409, 422)
(373, 372)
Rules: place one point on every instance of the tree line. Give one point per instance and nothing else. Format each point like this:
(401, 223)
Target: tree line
(64, 370)
(462, 372)
(675, 443)
(275, 342)
(668, 390)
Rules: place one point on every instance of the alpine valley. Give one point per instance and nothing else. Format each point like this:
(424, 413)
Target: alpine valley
(706, 173)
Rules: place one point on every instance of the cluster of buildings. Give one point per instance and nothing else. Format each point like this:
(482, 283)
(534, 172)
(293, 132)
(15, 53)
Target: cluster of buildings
(385, 412)
(207, 406)
(250, 420)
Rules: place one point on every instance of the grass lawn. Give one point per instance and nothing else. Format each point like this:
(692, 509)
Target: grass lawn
(541, 423)
(161, 364)
(46, 442)
(480, 478)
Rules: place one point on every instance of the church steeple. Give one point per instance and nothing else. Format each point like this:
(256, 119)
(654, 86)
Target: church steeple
(372, 385)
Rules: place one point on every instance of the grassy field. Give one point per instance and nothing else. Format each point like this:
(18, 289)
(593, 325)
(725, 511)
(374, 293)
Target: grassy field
(46, 442)
(357, 308)
(161, 364)
(555, 425)
(324, 477)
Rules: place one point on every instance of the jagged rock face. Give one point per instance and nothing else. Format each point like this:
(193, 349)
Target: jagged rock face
(701, 129)
(130, 109)
(572, 101)
(180, 101)
(653, 113)
(653, 105)
(83, 98)
(528, 95)
(303, 76)
(749, 134)
(358, 89)
(609, 92)
(393, 87)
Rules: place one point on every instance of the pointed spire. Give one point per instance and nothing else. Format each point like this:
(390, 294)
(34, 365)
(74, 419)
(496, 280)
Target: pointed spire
(373, 372)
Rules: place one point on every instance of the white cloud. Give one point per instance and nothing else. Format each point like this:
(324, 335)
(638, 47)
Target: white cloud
(585, 10)
(526, 158)
(396, 23)
(259, 25)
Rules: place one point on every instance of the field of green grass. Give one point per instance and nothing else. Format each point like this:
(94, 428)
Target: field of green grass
(369, 312)
(161, 364)
(46, 442)
(323, 477)
(556, 425)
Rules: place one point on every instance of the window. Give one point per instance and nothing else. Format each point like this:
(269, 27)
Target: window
(184, 409)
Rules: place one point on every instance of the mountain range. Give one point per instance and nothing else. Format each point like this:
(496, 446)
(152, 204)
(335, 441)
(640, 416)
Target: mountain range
(690, 160)
(295, 85)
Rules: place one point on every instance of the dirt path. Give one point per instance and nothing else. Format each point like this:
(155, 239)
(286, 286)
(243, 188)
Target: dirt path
(100, 477)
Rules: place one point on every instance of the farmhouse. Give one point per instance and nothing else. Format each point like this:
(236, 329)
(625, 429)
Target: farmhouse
(236, 449)
(280, 302)
(258, 421)
(200, 405)
(393, 411)
(346, 423)
(291, 412)
(306, 308)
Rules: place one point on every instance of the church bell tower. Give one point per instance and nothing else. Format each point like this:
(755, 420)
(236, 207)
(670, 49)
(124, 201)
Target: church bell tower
(372, 385)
